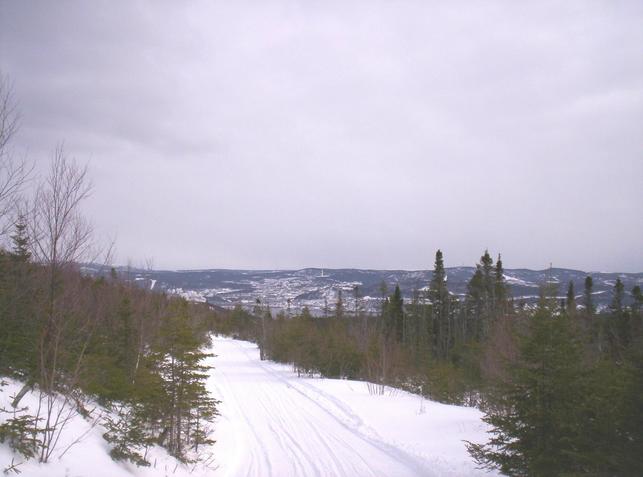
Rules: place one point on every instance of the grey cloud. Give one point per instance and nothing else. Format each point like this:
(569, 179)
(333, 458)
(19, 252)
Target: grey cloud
(288, 134)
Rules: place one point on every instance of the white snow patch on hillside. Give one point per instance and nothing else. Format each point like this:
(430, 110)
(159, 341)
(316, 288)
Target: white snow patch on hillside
(518, 281)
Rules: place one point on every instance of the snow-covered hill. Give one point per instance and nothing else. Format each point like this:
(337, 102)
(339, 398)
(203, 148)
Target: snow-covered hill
(274, 423)
(317, 288)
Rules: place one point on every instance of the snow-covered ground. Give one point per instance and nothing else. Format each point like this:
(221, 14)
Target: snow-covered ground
(275, 423)
(81, 450)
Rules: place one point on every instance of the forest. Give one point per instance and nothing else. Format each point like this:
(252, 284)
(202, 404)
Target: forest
(561, 383)
(78, 341)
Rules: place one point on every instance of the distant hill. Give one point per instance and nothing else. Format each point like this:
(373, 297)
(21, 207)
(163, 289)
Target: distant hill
(315, 287)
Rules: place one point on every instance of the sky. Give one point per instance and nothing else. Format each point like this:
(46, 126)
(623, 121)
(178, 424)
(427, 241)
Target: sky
(290, 133)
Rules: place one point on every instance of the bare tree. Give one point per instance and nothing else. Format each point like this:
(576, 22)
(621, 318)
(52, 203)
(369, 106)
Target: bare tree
(13, 173)
(60, 234)
(60, 237)
(8, 113)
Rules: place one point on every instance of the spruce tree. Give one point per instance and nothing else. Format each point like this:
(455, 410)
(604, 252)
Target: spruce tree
(571, 299)
(20, 239)
(618, 323)
(339, 305)
(396, 314)
(439, 297)
(637, 325)
(535, 415)
(617, 297)
(384, 330)
(486, 263)
(357, 298)
(588, 300)
(637, 298)
(188, 405)
(475, 304)
(500, 286)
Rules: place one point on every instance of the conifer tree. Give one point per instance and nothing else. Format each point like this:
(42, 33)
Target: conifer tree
(535, 415)
(571, 299)
(439, 297)
(617, 298)
(357, 298)
(637, 325)
(500, 286)
(20, 240)
(339, 305)
(588, 300)
(384, 328)
(486, 263)
(475, 303)
(487, 294)
(618, 324)
(188, 405)
(396, 314)
(637, 297)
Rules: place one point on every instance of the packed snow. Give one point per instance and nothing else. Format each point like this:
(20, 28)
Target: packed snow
(275, 423)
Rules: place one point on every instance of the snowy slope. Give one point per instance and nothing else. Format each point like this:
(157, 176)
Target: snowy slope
(273, 423)
(89, 456)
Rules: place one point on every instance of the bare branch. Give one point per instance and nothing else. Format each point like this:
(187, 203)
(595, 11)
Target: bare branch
(60, 234)
(9, 117)
(14, 174)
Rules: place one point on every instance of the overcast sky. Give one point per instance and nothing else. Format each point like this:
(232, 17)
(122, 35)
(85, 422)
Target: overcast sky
(287, 134)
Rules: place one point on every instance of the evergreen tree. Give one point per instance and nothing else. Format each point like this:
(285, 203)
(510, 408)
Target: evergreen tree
(535, 414)
(384, 328)
(439, 297)
(618, 324)
(571, 299)
(500, 287)
(589, 301)
(637, 325)
(358, 303)
(475, 304)
(486, 295)
(396, 314)
(637, 298)
(339, 305)
(617, 297)
(438, 284)
(20, 240)
(486, 264)
(188, 405)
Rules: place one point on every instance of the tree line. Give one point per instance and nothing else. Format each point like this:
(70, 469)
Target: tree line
(73, 340)
(560, 382)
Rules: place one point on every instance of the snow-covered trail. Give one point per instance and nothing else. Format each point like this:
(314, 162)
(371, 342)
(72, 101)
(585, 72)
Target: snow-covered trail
(273, 423)
(282, 430)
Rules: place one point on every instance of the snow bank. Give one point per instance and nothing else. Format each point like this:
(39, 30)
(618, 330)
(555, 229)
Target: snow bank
(89, 456)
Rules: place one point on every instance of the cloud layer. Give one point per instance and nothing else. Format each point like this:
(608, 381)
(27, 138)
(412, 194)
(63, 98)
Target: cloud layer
(287, 134)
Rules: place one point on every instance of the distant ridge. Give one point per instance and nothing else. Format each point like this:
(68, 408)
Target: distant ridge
(308, 287)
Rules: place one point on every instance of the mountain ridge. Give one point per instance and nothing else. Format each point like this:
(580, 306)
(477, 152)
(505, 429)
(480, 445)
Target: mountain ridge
(318, 288)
